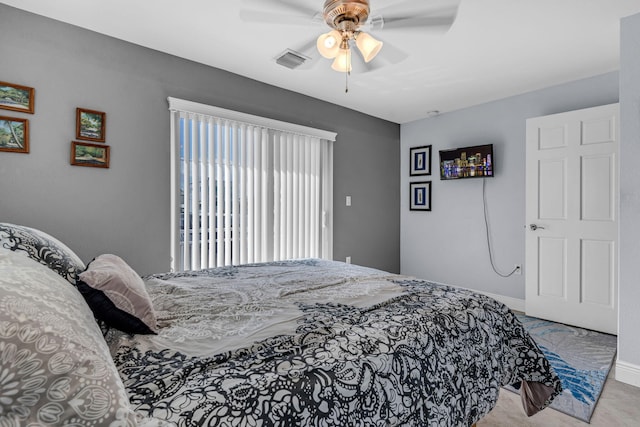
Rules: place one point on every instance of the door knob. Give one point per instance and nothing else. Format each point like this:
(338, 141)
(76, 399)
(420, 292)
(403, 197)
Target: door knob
(534, 227)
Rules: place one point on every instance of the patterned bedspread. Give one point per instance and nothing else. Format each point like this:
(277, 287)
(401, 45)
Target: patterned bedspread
(321, 343)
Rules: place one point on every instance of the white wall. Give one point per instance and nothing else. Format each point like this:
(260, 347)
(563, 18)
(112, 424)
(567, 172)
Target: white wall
(449, 244)
(628, 365)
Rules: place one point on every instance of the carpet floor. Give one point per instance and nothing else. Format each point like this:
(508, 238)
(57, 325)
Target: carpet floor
(581, 358)
(618, 406)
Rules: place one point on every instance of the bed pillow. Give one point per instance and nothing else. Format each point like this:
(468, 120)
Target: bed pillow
(117, 295)
(43, 248)
(55, 367)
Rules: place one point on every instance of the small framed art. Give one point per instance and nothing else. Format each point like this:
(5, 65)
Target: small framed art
(92, 155)
(90, 125)
(16, 97)
(420, 196)
(420, 160)
(14, 134)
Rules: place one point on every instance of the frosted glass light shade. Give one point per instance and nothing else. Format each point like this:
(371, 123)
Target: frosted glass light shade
(342, 63)
(368, 46)
(328, 44)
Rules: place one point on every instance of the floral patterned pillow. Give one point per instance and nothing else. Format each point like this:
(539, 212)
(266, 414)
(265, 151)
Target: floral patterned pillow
(43, 248)
(55, 368)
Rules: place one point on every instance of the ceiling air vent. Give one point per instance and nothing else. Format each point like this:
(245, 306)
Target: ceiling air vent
(291, 59)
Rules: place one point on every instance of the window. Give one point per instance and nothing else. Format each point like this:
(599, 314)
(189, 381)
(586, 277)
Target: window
(247, 189)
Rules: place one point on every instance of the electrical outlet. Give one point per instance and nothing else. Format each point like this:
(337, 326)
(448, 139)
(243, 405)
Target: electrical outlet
(348, 260)
(518, 269)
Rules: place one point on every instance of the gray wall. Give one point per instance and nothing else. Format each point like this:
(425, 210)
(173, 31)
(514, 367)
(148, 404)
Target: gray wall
(629, 282)
(449, 243)
(125, 209)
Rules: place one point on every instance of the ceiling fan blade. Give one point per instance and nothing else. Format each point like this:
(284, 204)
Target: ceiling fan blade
(274, 18)
(367, 67)
(437, 16)
(388, 55)
(413, 8)
(308, 48)
(292, 5)
(392, 54)
(424, 22)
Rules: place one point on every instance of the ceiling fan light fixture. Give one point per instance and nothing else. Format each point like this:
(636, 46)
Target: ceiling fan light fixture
(328, 44)
(368, 46)
(342, 63)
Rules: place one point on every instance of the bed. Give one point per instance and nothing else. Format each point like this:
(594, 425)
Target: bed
(300, 342)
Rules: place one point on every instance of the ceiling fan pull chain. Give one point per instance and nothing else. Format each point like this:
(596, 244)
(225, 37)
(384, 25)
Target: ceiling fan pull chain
(346, 82)
(346, 74)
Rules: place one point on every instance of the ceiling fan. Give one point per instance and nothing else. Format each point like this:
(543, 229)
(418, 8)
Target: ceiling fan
(350, 22)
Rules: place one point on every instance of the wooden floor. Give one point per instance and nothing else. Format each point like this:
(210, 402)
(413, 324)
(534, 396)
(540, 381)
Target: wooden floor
(619, 406)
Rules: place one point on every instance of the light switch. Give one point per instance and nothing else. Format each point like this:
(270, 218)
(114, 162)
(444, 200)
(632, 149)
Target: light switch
(348, 200)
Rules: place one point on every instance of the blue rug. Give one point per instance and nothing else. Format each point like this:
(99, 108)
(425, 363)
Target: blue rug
(581, 358)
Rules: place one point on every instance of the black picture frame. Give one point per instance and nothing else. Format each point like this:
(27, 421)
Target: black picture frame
(420, 160)
(420, 196)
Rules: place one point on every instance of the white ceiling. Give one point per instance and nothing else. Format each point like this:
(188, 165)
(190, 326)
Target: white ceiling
(495, 48)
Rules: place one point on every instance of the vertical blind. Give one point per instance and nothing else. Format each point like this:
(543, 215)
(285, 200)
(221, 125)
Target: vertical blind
(247, 189)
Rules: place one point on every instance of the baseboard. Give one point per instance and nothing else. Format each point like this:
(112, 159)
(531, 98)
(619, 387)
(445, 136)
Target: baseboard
(628, 373)
(514, 304)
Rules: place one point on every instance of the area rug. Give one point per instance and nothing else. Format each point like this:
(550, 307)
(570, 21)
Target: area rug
(581, 358)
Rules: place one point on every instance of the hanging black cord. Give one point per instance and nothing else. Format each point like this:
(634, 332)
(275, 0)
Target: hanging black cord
(486, 226)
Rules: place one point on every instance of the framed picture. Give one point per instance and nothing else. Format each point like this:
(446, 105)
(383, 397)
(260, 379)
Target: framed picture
(420, 196)
(90, 125)
(14, 134)
(420, 160)
(92, 155)
(16, 97)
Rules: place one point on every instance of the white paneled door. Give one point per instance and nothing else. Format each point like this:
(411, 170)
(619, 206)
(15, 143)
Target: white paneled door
(572, 218)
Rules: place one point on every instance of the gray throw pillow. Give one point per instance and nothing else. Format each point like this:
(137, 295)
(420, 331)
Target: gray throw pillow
(55, 367)
(117, 295)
